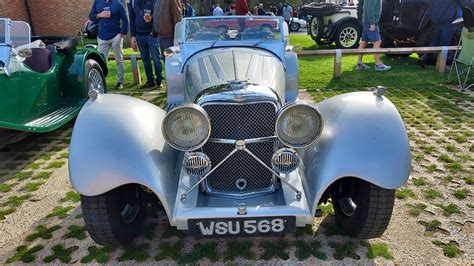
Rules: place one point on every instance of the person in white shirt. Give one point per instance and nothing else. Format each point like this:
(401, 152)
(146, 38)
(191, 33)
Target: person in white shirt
(287, 13)
(218, 11)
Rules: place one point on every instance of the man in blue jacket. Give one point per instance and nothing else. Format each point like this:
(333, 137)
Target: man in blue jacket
(443, 13)
(141, 31)
(113, 26)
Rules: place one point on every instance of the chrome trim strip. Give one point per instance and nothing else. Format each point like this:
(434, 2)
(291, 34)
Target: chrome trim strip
(248, 141)
(252, 94)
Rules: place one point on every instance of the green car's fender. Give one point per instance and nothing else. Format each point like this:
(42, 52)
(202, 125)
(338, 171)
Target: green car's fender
(72, 71)
(42, 102)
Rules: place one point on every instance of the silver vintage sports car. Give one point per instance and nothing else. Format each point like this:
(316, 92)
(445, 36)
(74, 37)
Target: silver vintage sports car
(236, 152)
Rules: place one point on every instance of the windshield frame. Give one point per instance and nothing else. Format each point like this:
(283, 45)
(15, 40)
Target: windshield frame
(188, 20)
(16, 39)
(7, 23)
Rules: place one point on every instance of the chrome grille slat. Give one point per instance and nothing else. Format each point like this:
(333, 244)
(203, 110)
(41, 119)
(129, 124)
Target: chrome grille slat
(241, 121)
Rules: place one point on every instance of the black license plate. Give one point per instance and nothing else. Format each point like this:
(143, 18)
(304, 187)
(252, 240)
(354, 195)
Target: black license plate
(255, 226)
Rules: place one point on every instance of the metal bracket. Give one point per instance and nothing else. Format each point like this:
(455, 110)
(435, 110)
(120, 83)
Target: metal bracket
(298, 193)
(240, 145)
(185, 194)
(242, 209)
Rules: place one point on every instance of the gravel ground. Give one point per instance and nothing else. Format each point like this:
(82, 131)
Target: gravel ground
(35, 188)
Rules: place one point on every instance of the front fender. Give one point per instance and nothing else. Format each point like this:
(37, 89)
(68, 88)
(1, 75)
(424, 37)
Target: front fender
(72, 71)
(364, 137)
(117, 140)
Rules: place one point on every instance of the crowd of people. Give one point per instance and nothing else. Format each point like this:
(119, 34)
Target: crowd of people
(281, 10)
(151, 25)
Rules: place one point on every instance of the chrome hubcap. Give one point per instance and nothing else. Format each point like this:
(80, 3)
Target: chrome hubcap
(348, 37)
(95, 81)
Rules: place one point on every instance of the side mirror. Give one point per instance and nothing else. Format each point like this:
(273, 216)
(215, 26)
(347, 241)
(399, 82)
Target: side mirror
(25, 53)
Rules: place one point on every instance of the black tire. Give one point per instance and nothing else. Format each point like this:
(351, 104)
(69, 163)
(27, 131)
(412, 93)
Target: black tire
(92, 72)
(114, 218)
(372, 212)
(316, 28)
(295, 26)
(347, 36)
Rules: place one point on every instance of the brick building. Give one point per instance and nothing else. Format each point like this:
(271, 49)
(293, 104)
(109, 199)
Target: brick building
(48, 17)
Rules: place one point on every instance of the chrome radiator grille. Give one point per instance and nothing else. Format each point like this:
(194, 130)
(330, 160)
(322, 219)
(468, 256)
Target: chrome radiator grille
(240, 121)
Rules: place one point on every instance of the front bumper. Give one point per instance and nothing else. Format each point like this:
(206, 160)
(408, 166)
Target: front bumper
(199, 205)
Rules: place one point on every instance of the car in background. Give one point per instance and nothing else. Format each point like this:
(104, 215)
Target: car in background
(333, 23)
(235, 152)
(250, 23)
(296, 23)
(407, 23)
(44, 83)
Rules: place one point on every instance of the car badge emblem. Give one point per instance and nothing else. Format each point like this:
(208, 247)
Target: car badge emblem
(241, 184)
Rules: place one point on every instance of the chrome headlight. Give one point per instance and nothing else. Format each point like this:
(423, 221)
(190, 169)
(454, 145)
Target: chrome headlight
(299, 125)
(186, 127)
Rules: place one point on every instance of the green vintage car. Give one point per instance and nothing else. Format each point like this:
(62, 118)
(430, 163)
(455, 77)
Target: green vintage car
(44, 83)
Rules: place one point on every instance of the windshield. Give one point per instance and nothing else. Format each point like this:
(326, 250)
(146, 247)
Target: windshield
(232, 28)
(20, 33)
(3, 31)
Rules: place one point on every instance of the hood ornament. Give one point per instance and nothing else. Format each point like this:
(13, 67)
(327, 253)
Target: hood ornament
(237, 84)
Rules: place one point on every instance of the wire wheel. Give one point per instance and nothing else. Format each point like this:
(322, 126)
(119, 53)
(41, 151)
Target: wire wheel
(95, 80)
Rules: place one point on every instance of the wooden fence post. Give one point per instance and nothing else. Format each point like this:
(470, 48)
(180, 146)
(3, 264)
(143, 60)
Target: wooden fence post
(337, 64)
(135, 70)
(442, 57)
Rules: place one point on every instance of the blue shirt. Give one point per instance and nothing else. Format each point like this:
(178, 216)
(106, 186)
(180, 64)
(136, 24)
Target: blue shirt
(137, 24)
(117, 23)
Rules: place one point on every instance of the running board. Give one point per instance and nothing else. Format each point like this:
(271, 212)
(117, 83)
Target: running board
(52, 120)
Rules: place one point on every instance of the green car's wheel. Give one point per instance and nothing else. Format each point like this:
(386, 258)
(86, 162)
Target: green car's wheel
(114, 218)
(362, 209)
(94, 77)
